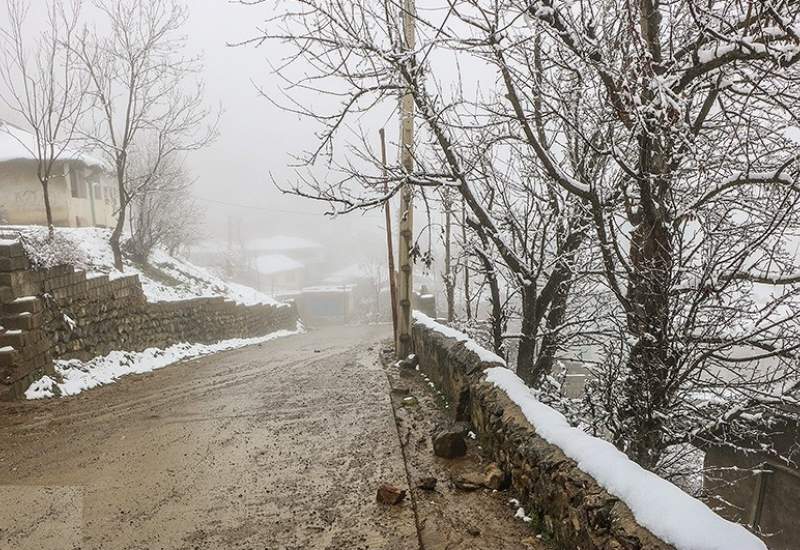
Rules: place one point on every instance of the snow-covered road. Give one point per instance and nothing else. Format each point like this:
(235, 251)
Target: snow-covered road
(274, 446)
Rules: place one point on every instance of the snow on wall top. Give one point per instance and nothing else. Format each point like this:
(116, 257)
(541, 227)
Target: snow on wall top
(449, 332)
(658, 505)
(18, 144)
(665, 510)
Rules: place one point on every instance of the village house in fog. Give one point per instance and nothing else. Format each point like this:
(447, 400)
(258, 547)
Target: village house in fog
(270, 264)
(81, 191)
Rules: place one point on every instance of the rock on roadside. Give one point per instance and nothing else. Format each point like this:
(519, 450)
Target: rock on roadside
(389, 494)
(449, 444)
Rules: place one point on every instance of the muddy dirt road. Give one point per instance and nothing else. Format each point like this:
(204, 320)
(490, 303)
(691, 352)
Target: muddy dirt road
(274, 447)
(279, 446)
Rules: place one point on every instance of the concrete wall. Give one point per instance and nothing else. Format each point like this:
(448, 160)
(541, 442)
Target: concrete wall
(576, 511)
(60, 314)
(755, 490)
(22, 200)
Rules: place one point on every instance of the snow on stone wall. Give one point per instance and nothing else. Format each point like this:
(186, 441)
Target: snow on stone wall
(588, 493)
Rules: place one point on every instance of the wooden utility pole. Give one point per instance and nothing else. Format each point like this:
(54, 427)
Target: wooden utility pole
(467, 299)
(449, 282)
(406, 225)
(389, 245)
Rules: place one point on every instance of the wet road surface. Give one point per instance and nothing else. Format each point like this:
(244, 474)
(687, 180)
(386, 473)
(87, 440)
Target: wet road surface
(279, 446)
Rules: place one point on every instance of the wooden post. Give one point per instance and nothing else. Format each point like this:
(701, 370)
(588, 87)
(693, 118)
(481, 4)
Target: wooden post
(467, 300)
(449, 283)
(389, 245)
(406, 197)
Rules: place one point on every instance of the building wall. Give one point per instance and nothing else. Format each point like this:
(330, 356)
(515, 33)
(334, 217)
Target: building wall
(755, 490)
(22, 200)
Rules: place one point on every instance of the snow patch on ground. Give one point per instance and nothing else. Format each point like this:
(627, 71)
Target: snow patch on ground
(449, 332)
(77, 376)
(88, 249)
(657, 504)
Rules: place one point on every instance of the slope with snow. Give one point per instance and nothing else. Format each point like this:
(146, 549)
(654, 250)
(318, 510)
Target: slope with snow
(167, 278)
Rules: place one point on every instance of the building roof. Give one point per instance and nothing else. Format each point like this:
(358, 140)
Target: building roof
(270, 264)
(356, 272)
(280, 243)
(19, 144)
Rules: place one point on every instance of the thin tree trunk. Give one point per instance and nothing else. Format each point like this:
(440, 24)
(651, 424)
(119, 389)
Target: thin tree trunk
(116, 234)
(48, 210)
(550, 340)
(449, 285)
(467, 299)
(526, 353)
(496, 317)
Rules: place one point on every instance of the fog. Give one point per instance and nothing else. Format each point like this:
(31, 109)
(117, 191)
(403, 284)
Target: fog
(257, 142)
(257, 139)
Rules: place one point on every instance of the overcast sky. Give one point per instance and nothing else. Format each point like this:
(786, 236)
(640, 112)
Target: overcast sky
(256, 137)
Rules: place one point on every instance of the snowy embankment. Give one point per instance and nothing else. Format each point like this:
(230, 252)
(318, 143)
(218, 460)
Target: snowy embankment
(658, 505)
(166, 279)
(73, 377)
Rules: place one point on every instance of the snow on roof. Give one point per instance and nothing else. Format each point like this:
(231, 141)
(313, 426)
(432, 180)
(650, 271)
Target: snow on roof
(354, 272)
(19, 144)
(269, 264)
(280, 243)
(338, 289)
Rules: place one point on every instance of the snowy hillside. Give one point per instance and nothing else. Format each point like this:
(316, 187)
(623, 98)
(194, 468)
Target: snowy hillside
(166, 278)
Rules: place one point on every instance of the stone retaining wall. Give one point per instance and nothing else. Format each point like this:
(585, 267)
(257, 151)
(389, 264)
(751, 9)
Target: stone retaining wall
(59, 313)
(575, 510)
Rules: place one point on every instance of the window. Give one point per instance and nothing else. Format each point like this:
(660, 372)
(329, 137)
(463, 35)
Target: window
(76, 184)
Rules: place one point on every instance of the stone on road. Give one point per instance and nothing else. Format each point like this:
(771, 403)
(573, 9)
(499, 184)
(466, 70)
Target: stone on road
(270, 447)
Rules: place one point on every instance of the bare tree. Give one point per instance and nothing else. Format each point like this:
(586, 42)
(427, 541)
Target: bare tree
(634, 175)
(139, 81)
(162, 213)
(43, 86)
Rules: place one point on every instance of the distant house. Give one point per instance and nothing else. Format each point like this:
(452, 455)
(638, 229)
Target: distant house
(303, 250)
(278, 272)
(81, 191)
(321, 305)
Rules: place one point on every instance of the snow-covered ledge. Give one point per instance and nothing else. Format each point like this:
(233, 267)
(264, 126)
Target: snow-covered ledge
(589, 494)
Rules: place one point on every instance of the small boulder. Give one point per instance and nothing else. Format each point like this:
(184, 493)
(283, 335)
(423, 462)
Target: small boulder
(409, 401)
(468, 481)
(462, 427)
(449, 444)
(401, 391)
(494, 477)
(427, 483)
(389, 494)
(409, 362)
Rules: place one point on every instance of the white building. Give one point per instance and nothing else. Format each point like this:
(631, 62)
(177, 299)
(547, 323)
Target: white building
(81, 191)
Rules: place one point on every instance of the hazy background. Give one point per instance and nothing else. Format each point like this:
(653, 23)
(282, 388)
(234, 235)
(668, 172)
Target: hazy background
(256, 138)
